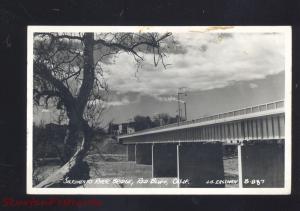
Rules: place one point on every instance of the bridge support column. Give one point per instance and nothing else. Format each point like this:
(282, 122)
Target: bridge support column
(131, 152)
(263, 161)
(164, 160)
(199, 163)
(143, 154)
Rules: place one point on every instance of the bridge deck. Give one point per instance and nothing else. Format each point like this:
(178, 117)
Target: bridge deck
(264, 121)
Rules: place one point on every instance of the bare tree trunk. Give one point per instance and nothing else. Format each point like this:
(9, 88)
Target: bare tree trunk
(78, 140)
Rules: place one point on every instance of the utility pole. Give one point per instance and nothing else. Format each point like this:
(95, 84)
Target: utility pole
(181, 91)
(185, 117)
(179, 113)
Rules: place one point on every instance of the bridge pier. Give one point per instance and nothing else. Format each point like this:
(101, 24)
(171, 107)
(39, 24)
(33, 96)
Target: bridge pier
(164, 160)
(200, 162)
(131, 152)
(143, 154)
(263, 160)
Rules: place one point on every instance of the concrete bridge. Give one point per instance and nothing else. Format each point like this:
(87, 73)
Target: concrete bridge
(194, 149)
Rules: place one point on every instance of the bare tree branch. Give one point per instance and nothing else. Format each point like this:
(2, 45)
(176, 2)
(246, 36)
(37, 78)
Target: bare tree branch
(64, 36)
(44, 72)
(65, 71)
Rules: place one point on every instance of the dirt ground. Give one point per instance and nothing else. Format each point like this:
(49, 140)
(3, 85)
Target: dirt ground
(133, 171)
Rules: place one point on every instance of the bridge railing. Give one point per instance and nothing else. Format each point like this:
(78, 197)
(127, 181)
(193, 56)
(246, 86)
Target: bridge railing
(243, 111)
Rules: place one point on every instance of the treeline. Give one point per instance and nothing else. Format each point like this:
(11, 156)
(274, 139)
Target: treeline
(48, 140)
(145, 122)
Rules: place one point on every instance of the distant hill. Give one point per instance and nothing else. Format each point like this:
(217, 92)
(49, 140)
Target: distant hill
(109, 146)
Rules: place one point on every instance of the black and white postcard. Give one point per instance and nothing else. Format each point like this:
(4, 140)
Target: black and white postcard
(159, 110)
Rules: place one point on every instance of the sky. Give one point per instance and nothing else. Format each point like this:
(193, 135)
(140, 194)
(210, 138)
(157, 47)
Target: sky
(221, 72)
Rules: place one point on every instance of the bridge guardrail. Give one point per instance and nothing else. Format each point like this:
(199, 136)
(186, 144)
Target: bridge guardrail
(243, 111)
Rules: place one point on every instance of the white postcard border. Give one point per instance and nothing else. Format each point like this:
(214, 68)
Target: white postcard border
(164, 191)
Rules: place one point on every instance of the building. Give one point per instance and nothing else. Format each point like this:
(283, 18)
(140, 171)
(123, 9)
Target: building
(122, 128)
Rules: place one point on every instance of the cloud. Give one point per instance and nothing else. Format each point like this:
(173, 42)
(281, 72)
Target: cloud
(116, 102)
(123, 101)
(168, 99)
(210, 61)
(253, 85)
